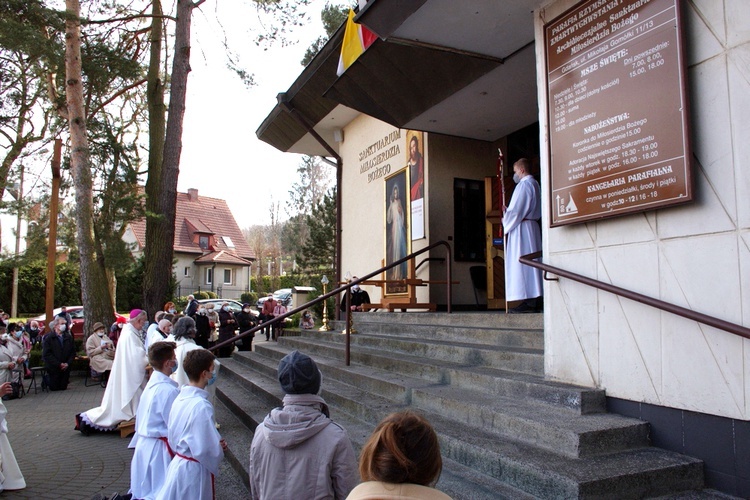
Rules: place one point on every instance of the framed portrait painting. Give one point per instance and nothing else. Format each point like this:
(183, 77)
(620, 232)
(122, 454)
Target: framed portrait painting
(397, 240)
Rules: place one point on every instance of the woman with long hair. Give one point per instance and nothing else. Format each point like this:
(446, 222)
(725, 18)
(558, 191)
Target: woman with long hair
(400, 460)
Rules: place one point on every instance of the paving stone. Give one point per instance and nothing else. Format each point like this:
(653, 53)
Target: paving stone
(60, 463)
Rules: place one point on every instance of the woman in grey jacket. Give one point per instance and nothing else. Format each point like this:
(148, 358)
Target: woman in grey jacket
(298, 451)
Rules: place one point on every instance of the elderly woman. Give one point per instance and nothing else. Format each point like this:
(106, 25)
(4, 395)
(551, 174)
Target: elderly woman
(7, 360)
(227, 328)
(213, 323)
(183, 332)
(101, 351)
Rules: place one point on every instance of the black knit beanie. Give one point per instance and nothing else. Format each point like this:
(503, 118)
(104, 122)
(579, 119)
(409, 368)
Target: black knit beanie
(298, 374)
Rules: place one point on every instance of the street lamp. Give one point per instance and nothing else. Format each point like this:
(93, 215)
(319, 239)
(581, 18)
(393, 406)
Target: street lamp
(326, 327)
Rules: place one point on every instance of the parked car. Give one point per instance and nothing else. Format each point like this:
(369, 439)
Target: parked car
(283, 295)
(76, 314)
(234, 306)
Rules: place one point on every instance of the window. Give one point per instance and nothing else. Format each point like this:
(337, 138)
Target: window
(209, 276)
(227, 276)
(468, 220)
(203, 242)
(187, 271)
(228, 241)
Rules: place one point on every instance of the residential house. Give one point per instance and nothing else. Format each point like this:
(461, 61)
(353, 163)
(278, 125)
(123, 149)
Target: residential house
(209, 249)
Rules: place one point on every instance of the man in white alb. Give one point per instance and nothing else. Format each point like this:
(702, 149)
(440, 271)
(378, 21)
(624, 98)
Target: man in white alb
(522, 237)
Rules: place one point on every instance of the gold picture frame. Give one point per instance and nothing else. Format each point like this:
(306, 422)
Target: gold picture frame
(397, 219)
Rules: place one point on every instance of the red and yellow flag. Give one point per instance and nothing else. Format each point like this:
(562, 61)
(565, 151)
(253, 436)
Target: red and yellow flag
(356, 40)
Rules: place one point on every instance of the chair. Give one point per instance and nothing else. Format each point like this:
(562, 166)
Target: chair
(102, 378)
(478, 280)
(42, 372)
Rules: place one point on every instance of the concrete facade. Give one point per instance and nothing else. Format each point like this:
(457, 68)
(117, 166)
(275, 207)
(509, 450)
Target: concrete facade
(696, 255)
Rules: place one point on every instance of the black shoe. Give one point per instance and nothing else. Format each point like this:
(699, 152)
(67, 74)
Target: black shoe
(524, 308)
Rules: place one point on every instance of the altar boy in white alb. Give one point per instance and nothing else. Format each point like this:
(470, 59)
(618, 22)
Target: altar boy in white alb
(152, 455)
(198, 448)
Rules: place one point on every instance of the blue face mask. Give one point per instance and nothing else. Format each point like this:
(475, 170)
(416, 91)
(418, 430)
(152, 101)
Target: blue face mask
(174, 368)
(213, 378)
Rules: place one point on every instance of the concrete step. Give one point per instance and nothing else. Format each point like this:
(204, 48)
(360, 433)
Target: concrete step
(486, 319)
(453, 350)
(631, 474)
(238, 438)
(548, 426)
(396, 385)
(424, 359)
(247, 408)
(477, 335)
(538, 424)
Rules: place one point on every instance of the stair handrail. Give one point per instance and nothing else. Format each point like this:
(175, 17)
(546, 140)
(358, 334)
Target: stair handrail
(345, 287)
(638, 297)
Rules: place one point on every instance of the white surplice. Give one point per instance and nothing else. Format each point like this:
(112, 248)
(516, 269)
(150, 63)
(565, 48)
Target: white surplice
(10, 475)
(125, 384)
(195, 442)
(154, 336)
(184, 346)
(522, 237)
(151, 458)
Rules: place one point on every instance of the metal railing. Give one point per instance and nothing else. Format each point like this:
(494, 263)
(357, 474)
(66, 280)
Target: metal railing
(644, 299)
(343, 288)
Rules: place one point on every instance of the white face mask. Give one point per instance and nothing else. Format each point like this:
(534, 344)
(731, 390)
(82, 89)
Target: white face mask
(516, 179)
(100, 333)
(119, 325)
(201, 311)
(63, 328)
(247, 309)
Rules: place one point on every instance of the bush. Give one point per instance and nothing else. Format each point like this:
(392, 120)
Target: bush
(211, 295)
(201, 295)
(249, 297)
(318, 308)
(35, 356)
(32, 280)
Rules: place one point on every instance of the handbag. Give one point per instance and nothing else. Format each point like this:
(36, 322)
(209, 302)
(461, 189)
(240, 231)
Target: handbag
(16, 393)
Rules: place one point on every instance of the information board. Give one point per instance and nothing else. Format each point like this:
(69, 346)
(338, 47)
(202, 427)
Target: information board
(617, 109)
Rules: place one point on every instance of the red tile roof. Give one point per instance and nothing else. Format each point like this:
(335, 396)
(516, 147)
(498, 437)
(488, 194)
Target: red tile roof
(222, 257)
(201, 215)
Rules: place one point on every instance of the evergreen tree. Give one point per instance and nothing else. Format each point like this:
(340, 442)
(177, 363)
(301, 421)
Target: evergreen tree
(318, 254)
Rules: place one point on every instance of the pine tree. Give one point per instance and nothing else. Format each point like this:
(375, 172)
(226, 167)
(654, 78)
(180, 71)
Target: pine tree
(318, 254)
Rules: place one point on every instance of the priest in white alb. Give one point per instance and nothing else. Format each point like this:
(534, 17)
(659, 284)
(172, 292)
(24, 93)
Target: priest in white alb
(522, 237)
(126, 381)
(152, 454)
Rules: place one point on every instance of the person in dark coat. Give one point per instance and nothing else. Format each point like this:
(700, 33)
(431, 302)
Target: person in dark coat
(227, 327)
(58, 351)
(245, 321)
(192, 307)
(359, 297)
(202, 327)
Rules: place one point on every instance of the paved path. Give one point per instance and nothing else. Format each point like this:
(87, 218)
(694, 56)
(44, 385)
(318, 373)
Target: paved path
(58, 462)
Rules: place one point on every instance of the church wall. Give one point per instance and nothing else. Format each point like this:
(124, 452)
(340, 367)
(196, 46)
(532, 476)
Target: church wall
(363, 205)
(696, 255)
